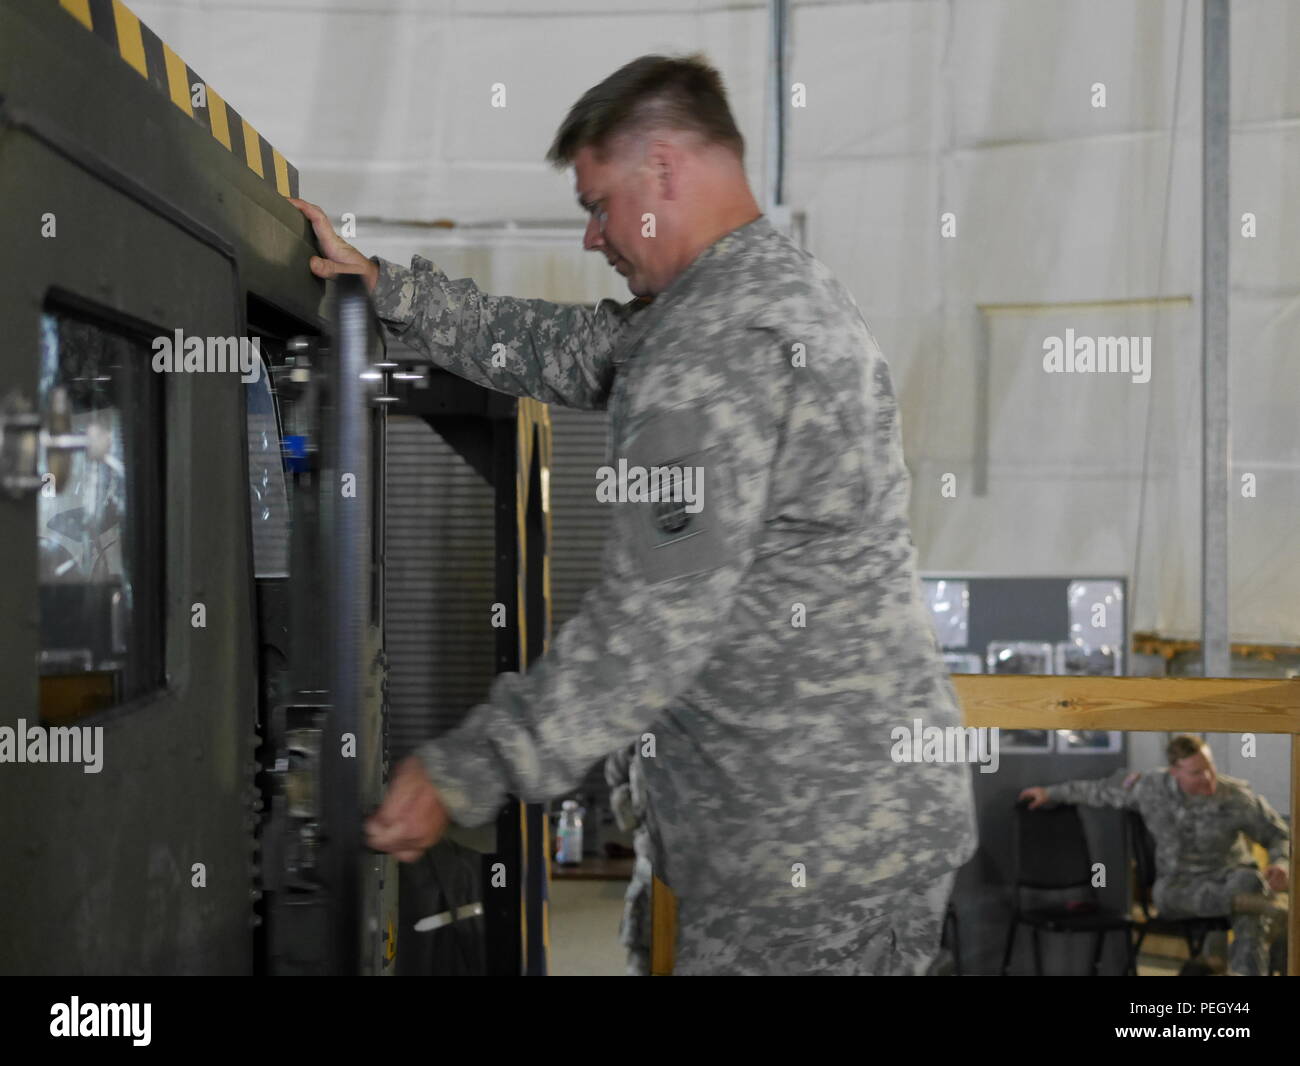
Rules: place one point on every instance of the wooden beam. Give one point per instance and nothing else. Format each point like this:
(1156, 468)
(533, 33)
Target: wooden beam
(1131, 704)
(663, 929)
(1168, 647)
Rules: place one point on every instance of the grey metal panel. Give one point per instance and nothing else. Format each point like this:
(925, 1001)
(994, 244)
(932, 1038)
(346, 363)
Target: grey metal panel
(439, 566)
(438, 585)
(579, 524)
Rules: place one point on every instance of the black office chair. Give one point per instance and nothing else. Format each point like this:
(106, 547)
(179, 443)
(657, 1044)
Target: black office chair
(1193, 930)
(1051, 855)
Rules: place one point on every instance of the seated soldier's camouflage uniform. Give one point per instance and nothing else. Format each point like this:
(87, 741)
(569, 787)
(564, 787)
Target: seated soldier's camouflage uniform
(1201, 859)
(769, 641)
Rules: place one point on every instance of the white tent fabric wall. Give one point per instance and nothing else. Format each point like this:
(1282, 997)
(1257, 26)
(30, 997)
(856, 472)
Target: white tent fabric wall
(982, 108)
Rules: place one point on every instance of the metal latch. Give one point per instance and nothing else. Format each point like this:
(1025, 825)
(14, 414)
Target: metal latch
(447, 917)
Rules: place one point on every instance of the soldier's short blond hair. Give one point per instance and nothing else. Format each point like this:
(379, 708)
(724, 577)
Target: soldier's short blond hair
(1184, 746)
(653, 92)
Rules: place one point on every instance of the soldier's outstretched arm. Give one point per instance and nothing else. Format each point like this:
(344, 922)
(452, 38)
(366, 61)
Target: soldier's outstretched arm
(663, 602)
(1267, 827)
(556, 353)
(1118, 790)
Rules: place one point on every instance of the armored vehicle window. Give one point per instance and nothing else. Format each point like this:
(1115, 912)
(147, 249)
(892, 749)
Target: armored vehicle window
(99, 520)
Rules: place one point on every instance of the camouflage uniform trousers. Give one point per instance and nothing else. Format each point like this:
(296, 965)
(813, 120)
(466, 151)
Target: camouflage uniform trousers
(1210, 895)
(893, 935)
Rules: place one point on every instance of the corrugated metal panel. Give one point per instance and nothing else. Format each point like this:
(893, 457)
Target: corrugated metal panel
(438, 568)
(438, 585)
(579, 524)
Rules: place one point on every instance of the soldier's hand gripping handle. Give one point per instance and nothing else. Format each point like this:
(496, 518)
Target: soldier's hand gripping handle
(340, 257)
(412, 817)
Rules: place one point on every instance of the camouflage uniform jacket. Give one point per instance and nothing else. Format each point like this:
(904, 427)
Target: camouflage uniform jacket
(1194, 835)
(769, 641)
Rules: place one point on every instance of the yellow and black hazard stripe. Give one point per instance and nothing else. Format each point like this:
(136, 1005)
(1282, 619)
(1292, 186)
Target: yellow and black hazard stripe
(142, 49)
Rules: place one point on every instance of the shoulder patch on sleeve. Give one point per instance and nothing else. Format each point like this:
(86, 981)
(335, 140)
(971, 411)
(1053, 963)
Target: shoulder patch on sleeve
(672, 486)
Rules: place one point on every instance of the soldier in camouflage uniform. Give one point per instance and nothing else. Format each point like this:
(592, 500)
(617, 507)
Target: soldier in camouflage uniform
(627, 798)
(1203, 866)
(767, 631)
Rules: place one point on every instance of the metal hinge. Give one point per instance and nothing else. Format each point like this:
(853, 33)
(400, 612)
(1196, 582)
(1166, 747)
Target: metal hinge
(23, 433)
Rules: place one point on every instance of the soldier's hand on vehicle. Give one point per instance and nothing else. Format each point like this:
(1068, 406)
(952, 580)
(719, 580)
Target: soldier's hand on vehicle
(412, 818)
(340, 257)
(1277, 878)
(1036, 795)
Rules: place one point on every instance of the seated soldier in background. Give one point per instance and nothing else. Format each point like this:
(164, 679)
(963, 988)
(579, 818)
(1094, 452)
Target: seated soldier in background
(1203, 867)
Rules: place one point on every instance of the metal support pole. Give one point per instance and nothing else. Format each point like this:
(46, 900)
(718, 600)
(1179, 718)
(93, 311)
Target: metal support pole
(1214, 342)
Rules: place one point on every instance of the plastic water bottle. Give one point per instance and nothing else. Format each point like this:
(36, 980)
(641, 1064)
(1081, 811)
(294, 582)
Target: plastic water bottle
(569, 834)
